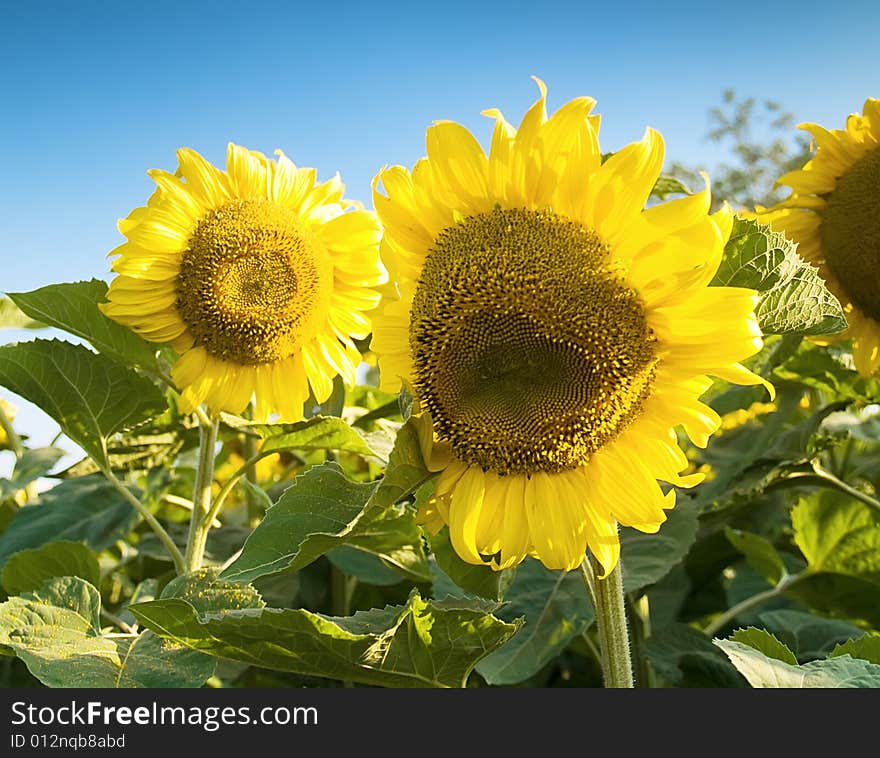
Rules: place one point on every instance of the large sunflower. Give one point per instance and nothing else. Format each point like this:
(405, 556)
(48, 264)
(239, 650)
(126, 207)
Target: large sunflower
(256, 275)
(553, 332)
(834, 214)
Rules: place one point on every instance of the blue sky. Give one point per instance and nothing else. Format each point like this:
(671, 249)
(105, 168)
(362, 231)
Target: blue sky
(95, 93)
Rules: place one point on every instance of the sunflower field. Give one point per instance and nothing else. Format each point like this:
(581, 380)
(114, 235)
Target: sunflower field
(544, 417)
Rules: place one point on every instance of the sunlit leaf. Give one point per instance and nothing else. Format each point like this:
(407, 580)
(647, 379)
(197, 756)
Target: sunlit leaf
(793, 299)
(322, 510)
(421, 644)
(88, 395)
(763, 672)
(73, 307)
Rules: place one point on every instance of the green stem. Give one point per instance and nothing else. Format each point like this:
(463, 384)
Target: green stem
(751, 602)
(638, 617)
(151, 520)
(230, 483)
(249, 445)
(201, 520)
(341, 588)
(611, 624)
(825, 478)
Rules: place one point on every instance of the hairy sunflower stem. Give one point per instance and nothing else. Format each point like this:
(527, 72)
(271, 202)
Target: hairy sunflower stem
(638, 616)
(151, 520)
(729, 615)
(611, 623)
(201, 520)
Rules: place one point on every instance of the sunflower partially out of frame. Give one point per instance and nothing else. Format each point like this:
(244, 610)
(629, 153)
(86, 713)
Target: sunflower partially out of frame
(257, 276)
(553, 332)
(833, 214)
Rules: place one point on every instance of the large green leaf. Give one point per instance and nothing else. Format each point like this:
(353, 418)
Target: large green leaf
(555, 608)
(73, 307)
(87, 509)
(56, 632)
(763, 672)
(793, 298)
(90, 396)
(839, 535)
(322, 510)
(27, 570)
(12, 317)
(481, 581)
(647, 558)
(421, 644)
(317, 433)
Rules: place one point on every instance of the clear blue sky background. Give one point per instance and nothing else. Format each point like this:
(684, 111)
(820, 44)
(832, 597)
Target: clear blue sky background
(95, 93)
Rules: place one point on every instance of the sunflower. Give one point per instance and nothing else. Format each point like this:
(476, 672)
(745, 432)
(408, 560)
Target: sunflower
(834, 215)
(553, 332)
(257, 276)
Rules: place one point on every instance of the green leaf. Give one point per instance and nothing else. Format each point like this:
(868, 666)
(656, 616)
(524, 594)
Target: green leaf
(765, 643)
(555, 607)
(686, 657)
(417, 645)
(481, 581)
(837, 534)
(807, 635)
(763, 672)
(205, 592)
(90, 396)
(647, 558)
(365, 567)
(12, 317)
(745, 458)
(322, 510)
(793, 297)
(56, 632)
(667, 184)
(759, 553)
(847, 597)
(88, 509)
(866, 647)
(73, 307)
(34, 463)
(28, 569)
(317, 433)
(406, 470)
(818, 367)
(61, 608)
(139, 450)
